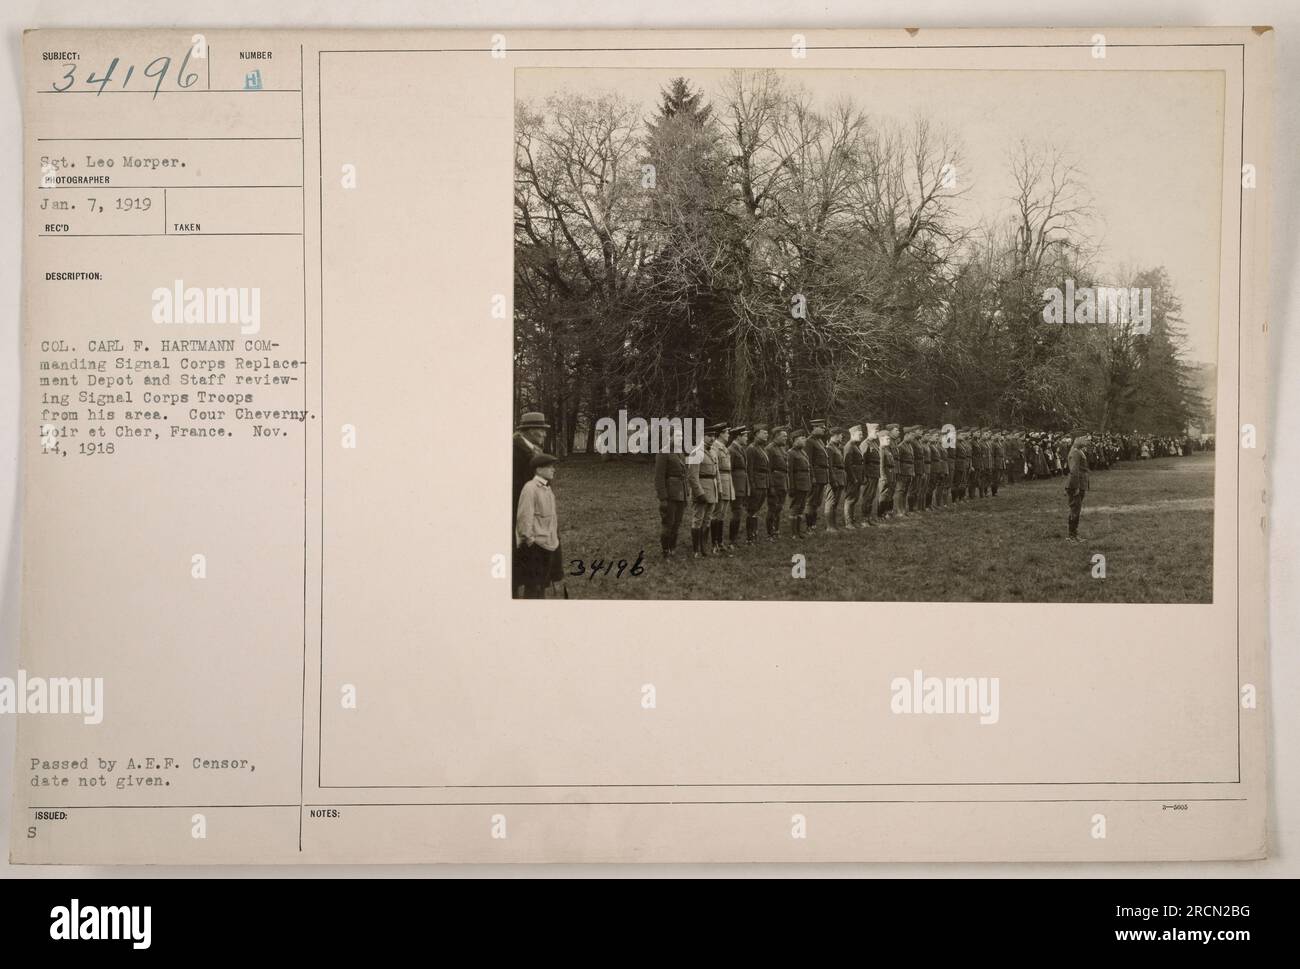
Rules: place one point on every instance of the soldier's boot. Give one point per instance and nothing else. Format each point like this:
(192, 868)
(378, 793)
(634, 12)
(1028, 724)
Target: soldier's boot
(735, 529)
(697, 549)
(796, 525)
(719, 533)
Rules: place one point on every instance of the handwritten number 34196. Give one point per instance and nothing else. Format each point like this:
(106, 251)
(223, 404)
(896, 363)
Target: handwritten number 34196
(599, 566)
(156, 70)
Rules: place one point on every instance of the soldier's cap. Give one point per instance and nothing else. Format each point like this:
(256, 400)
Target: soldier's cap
(857, 427)
(759, 427)
(740, 429)
(819, 430)
(838, 430)
(541, 461)
(1079, 432)
(798, 432)
(816, 422)
(779, 428)
(716, 428)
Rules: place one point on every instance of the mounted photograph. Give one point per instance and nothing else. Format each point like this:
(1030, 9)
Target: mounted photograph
(866, 335)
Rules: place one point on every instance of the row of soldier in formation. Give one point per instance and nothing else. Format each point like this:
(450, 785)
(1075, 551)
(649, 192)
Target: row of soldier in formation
(854, 477)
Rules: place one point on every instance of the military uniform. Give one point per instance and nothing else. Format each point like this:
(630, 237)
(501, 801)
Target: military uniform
(999, 462)
(958, 464)
(1077, 487)
(702, 476)
(777, 487)
(801, 486)
(726, 494)
(821, 474)
(854, 483)
(903, 487)
(889, 477)
(739, 483)
(757, 462)
(871, 483)
(670, 487)
(835, 489)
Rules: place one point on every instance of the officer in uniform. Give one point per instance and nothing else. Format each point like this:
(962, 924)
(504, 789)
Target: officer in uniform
(801, 481)
(903, 486)
(757, 463)
(1077, 485)
(815, 448)
(779, 483)
(726, 491)
(999, 446)
(702, 476)
(835, 489)
(889, 444)
(979, 470)
(871, 475)
(854, 482)
(740, 483)
(961, 464)
(670, 487)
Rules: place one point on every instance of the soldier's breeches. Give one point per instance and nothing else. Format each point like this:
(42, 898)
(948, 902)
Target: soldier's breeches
(701, 513)
(757, 499)
(798, 499)
(670, 518)
(1076, 508)
(815, 501)
(722, 510)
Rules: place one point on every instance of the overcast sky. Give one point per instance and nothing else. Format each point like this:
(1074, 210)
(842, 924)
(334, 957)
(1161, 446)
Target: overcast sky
(1148, 143)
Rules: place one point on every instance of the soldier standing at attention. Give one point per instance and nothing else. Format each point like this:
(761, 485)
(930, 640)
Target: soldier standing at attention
(980, 458)
(872, 484)
(670, 487)
(999, 445)
(835, 489)
(959, 454)
(801, 481)
(943, 493)
(702, 476)
(726, 491)
(756, 459)
(739, 480)
(906, 458)
(815, 448)
(854, 482)
(778, 485)
(889, 470)
(1077, 485)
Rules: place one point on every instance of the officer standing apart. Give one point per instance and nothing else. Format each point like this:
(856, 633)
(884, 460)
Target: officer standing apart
(1077, 485)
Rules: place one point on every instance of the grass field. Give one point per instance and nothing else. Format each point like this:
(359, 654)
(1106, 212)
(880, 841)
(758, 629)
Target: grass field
(1152, 520)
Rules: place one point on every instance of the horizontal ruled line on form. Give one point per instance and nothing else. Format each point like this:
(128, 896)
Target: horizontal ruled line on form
(190, 138)
(156, 235)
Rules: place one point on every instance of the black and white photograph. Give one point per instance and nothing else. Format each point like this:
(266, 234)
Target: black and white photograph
(866, 335)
